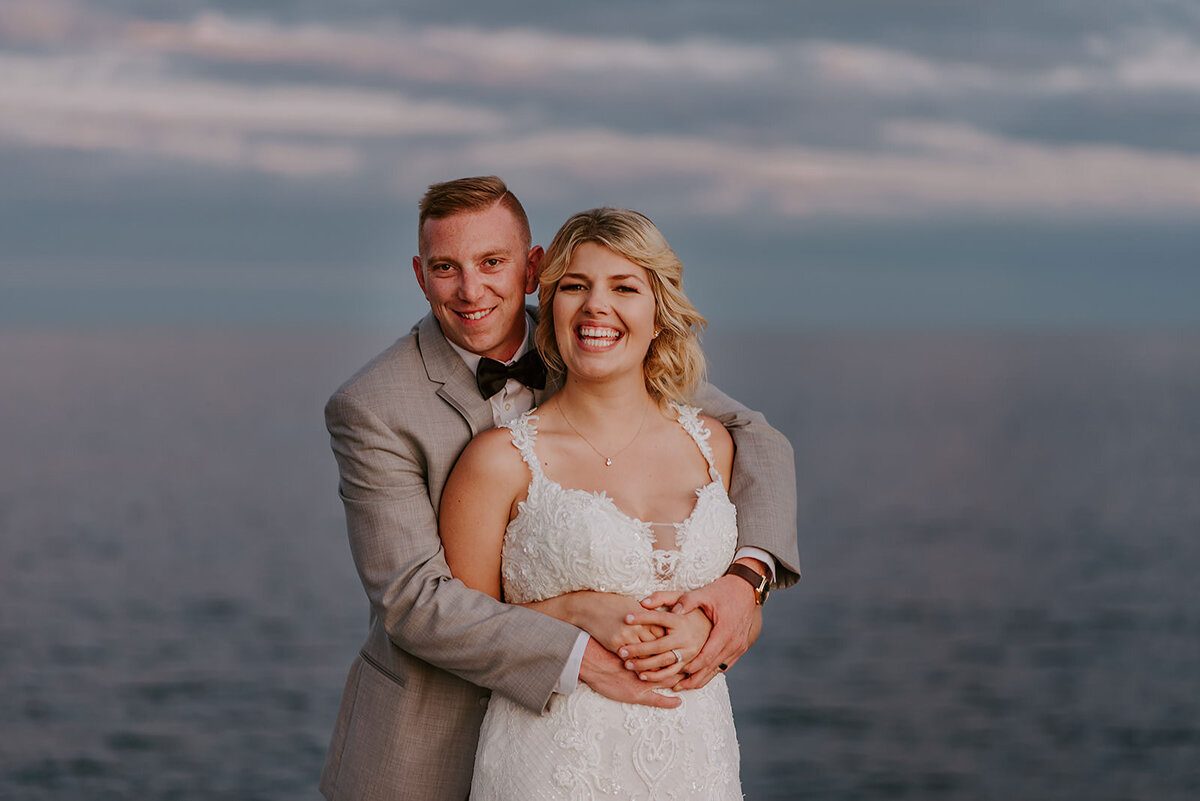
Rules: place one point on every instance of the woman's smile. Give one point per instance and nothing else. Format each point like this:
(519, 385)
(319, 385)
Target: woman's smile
(596, 337)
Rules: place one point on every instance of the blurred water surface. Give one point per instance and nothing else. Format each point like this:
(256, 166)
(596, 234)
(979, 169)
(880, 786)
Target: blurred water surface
(999, 538)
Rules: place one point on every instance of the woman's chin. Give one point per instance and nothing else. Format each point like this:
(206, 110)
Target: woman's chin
(605, 374)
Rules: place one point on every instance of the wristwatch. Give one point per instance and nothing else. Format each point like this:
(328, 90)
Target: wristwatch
(761, 584)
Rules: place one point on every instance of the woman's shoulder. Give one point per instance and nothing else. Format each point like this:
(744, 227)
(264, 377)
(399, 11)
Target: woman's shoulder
(691, 417)
(721, 444)
(718, 435)
(709, 432)
(489, 471)
(491, 450)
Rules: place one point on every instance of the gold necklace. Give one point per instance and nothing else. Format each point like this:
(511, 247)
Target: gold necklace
(607, 459)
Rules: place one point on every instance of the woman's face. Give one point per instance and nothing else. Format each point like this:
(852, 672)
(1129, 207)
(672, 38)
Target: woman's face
(603, 314)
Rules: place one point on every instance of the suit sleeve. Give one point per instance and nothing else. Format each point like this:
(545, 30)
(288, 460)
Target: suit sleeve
(393, 538)
(763, 484)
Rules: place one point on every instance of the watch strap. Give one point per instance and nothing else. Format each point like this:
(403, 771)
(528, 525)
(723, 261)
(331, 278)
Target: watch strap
(759, 582)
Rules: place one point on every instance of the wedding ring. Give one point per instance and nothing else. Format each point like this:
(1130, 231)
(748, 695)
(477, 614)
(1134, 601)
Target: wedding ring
(722, 667)
(678, 658)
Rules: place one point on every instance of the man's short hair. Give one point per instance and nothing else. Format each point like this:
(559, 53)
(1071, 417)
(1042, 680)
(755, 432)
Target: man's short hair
(469, 194)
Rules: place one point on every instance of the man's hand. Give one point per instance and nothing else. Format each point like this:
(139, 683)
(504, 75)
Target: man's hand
(730, 604)
(603, 672)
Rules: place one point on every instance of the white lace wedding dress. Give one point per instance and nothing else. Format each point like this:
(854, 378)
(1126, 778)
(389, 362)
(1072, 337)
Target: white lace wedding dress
(586, 746)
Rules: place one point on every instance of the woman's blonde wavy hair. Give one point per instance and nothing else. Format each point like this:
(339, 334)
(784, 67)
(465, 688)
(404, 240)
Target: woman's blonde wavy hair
(674, 365)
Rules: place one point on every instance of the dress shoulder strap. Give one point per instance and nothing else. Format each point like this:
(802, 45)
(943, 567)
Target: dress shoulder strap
(689, 419)
(524, 435)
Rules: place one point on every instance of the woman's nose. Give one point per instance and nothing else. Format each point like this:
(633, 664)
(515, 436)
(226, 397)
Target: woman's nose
(596, 301)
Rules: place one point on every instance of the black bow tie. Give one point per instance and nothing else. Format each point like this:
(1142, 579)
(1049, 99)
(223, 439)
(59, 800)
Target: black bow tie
(491, 375)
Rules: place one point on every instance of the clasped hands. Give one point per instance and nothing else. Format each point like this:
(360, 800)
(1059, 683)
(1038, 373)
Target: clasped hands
(710, 628)
(652, 641)
(631, 651)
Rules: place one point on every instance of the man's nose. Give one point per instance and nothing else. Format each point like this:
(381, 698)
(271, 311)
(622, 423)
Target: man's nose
(470, 285)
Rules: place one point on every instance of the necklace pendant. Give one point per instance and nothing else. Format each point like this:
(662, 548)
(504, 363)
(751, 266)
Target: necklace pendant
(608, 462)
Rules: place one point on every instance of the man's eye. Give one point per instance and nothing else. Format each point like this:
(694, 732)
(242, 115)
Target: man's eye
(440, 268)
(492, 262)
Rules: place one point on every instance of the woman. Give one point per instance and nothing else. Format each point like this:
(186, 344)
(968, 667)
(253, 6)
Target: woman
(575, 510)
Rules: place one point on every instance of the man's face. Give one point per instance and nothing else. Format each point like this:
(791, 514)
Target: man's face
(475, 270)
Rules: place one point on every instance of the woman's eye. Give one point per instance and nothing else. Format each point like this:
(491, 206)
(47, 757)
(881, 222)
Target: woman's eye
(570, 287)
(625, 288)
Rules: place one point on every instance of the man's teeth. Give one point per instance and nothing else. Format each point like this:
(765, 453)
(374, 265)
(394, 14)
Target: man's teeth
(479, 315)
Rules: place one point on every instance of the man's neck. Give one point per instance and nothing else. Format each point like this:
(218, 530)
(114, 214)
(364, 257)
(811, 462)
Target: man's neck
(471, 359)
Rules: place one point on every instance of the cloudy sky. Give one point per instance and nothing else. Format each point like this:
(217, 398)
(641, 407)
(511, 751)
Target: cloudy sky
(865, 163)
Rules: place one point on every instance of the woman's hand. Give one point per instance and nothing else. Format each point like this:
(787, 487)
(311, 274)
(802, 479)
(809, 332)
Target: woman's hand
(730, 604)
(604, 616)
(667, 656)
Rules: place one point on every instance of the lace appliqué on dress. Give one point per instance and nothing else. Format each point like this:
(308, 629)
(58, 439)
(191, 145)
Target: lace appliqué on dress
(586, 746)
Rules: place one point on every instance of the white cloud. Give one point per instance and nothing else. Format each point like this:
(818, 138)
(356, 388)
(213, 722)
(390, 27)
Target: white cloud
(1159, 61)
(1135, 61)
(451, 53)
(50, 21)
(215, 148)
(96, 104)
(1138, 60)
(120, 93)
(931, 168)
(84, 89)
(887, 71)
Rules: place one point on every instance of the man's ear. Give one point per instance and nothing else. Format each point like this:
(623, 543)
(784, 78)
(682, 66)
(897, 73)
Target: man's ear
(420, 273)
(533, 265)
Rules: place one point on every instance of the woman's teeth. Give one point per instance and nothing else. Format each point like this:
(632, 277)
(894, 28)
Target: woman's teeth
(598, 336)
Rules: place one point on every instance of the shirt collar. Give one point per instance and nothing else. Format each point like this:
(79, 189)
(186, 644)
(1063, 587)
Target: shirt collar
(472, 359)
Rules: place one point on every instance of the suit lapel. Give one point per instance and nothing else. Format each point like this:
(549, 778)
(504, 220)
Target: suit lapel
(443, 366)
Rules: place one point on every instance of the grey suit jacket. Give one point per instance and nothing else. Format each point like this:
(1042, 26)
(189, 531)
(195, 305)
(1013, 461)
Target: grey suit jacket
(407, 729)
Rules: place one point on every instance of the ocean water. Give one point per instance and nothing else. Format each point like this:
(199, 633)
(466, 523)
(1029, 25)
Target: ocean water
(999, 537)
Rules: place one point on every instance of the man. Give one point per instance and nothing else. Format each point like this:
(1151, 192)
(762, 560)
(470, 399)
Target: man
(409, 720)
